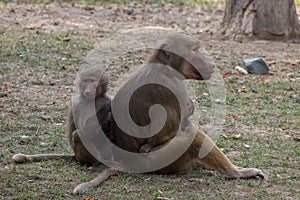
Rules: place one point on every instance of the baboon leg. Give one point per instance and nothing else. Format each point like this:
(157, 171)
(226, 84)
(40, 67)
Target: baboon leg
(23, 158)
(204, 151)
(104, 175)
(81, 153)
(217, 161)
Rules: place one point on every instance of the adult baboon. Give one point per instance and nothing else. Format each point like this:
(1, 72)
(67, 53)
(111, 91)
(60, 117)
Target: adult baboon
(181, 54)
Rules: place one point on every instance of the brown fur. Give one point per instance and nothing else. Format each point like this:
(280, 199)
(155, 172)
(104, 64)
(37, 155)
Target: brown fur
(189, 62)
(185, 123)
(143, 98)
(92, 87)
(141, 101)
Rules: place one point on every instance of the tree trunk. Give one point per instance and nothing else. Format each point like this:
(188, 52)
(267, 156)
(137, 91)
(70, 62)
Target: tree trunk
(264, 19)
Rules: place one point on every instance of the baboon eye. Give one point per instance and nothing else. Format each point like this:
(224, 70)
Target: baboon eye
(89, 81)
(196, 49)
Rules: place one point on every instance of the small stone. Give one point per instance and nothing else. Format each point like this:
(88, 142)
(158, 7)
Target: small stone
(256, 66)
(291, 75)
(195, 179)
(294, 96)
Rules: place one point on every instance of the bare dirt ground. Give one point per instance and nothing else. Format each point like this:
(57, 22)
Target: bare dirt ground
(108, 18)
(261, 129)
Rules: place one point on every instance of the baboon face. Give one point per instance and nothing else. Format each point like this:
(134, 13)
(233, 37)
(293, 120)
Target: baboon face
(182, 53)
(197, 66)
(88, 88)
(93, 83)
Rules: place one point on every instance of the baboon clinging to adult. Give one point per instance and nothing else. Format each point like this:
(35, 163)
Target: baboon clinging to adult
(91, 90)
(181, 54)
(92, 86)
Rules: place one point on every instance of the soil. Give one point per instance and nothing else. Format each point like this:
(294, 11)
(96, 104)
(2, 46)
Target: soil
(99, 21)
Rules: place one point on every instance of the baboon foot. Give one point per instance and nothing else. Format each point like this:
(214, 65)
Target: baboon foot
(20, 158)
(244, 173)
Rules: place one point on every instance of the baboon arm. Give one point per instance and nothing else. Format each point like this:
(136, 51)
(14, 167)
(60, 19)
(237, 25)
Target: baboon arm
(23, 158)
(104, 175)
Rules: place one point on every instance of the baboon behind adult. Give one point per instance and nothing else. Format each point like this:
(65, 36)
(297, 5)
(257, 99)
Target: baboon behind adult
(92, 87)
(91, 93)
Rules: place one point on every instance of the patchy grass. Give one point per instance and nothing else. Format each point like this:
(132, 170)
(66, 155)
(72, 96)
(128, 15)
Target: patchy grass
(38, 67)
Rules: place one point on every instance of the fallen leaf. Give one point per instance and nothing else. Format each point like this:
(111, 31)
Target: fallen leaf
(63, 39)
(163, 198)
(240, 81)
(266, 81)
(5, 87)
(236, 136)
(272, 62)
(234, 116)
(21, 142)
(284, 128)
(37, 91)
(240, 69)
(297, 138)
(23, 136)
(46, 117)
(195, 179)
(226, 75)
(243, 90)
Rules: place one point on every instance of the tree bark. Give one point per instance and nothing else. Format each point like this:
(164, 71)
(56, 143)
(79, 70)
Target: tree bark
(264, 19)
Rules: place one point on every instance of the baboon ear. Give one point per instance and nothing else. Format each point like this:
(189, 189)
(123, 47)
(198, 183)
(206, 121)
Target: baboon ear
(163, 56)
(163, 50)
(104, 78)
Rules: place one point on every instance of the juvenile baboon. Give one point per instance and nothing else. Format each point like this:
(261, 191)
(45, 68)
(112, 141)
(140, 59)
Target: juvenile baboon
(92, 87)
(181, 54)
